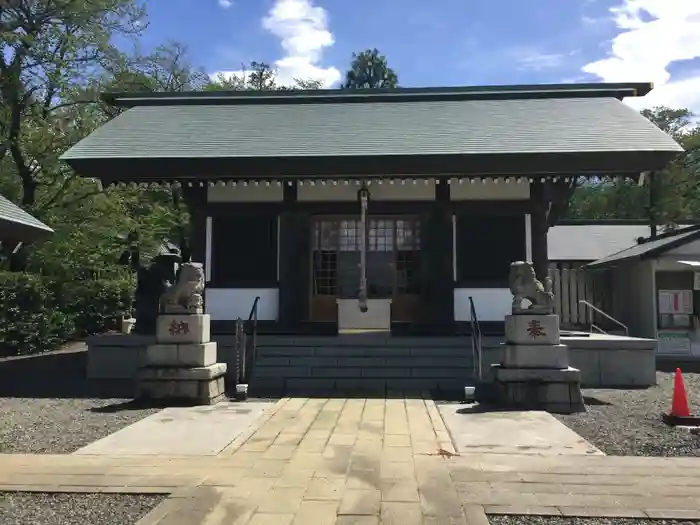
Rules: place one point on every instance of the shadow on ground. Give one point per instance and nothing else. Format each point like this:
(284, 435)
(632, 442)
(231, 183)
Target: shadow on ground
(53, 375)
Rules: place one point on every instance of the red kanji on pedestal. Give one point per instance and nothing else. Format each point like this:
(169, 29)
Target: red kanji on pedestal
(179, 328)
(535, 329)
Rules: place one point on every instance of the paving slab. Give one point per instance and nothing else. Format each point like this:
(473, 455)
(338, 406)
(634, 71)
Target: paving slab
(182, 431)
(526, 432)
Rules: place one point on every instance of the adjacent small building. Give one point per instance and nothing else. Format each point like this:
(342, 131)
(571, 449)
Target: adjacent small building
(655, 286)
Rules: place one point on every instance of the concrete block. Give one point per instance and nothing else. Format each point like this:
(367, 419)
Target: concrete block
(532, 329)
(386, 372)
(623, 368)
(316, 361)
(441, 373)
(364, 386)
(107, 359)
(203, 373)
(588, 362)
(183, 328)
(555, 393)
(310, 384)
(281, 371)
(412, 384)
(536, 356)
(202, 354)
(360, 361)
(335, 372)
(543, 375)
(266, 385)
(196, 392)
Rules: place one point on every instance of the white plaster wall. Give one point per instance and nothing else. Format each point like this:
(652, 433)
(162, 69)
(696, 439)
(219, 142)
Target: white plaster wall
(671, 264)
(491, 304)
(228, 304)
(250, 193)
(422, 190)
(634, 297)
(489, 190)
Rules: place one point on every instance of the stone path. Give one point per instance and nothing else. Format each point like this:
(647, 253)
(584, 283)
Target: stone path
(182, 431)
(367, 462)
(531, 432)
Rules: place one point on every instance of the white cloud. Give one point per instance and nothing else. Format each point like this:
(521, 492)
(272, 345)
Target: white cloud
(654, 34)
(225, 3)
(303, 31)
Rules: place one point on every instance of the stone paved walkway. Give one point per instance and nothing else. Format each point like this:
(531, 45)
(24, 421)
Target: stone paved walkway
(366, 462)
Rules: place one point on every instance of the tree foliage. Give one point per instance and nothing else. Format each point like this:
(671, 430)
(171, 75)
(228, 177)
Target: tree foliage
(370, 70)
(676, 188)
(257, 76)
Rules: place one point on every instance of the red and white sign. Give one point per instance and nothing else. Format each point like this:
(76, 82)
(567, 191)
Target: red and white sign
(675, 302)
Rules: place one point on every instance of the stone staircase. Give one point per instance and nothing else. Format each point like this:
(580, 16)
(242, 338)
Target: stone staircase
(362, 365)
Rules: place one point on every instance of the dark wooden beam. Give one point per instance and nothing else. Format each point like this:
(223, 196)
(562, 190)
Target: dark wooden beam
(473, 207)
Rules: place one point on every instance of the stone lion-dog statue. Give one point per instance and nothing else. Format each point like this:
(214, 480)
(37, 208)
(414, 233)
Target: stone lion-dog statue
(524, 285)
(185, 296)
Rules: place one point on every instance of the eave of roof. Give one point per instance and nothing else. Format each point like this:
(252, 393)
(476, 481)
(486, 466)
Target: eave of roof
(513, 92)
(649, 248)
(16, 225)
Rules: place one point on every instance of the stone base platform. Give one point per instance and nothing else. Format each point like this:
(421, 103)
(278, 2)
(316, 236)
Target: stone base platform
(192, 386)
(552, 390)
(536, 356)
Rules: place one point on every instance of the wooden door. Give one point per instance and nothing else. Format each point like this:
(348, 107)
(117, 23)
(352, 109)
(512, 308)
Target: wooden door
(393, 259)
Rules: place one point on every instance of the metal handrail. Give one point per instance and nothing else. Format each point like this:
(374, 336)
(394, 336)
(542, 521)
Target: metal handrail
(607, 316)
(476, 339)
(253, 322)
(245, 352)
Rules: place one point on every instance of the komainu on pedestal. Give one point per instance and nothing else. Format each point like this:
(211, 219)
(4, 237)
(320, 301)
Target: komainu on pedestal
(535, 372)
(182, 366)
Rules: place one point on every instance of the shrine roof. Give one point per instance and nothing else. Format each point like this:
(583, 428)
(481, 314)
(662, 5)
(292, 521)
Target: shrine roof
(579, 128)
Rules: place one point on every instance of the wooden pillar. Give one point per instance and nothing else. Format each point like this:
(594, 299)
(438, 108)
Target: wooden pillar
(436, 263)
(196, 200)
(294, 263)
(538, 228)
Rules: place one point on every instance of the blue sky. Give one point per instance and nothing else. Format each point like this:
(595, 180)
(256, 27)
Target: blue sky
(449, 42)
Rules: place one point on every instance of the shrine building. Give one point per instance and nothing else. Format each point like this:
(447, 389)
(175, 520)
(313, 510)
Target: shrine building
(460, 182)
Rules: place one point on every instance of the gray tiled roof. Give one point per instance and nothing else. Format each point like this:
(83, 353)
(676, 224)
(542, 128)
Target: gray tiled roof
(589, 242)
(384, 128)
(650, 248)
(18, 225)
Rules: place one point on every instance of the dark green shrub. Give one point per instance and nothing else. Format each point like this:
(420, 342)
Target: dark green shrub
(38, 314)
(96, 306)
(30, 321)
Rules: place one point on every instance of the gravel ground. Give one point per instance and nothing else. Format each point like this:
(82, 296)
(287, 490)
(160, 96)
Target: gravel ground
(545, 520)
(59, 426)
(47, 406)
(22, 508)
(628, 422)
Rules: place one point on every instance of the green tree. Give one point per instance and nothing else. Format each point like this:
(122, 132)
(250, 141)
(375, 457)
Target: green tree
(257, 76)
(368, 70)
(49, 50)
(676, 193)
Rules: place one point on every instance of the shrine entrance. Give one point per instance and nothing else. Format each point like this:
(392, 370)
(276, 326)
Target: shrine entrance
(393, 264)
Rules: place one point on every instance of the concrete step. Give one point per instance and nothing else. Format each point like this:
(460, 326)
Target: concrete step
(312, 366)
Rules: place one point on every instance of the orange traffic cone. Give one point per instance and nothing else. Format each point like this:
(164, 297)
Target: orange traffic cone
(679, 407)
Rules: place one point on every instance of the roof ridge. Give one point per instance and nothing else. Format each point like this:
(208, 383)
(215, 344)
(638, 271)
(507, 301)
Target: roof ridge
(616, 90)
(670, 233)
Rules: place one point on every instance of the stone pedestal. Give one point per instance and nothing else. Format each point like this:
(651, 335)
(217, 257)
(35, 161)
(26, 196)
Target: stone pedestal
(535, 373)
(181, 367)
